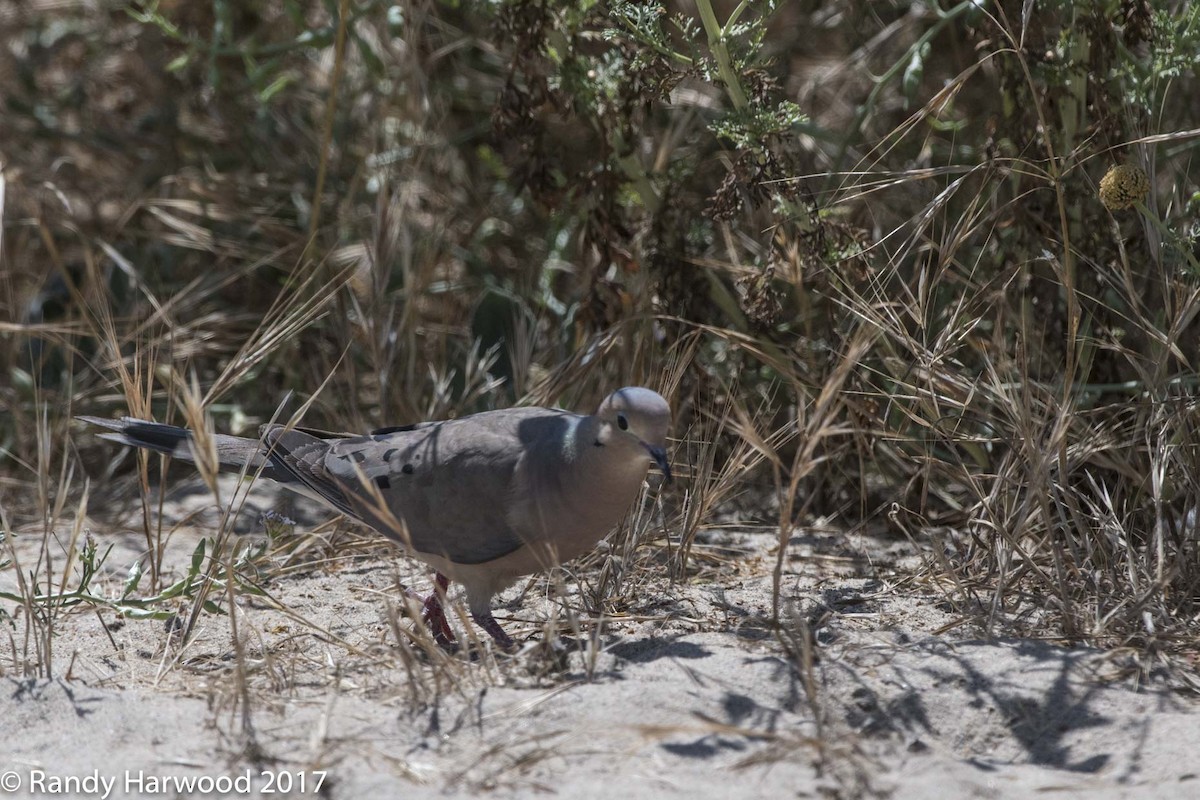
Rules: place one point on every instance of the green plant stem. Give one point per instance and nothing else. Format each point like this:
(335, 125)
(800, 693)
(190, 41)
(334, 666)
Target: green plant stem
(665, 52)
(716, 44)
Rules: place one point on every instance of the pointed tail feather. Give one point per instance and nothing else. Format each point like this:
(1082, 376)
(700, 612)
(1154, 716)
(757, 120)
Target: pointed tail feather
(233, 452)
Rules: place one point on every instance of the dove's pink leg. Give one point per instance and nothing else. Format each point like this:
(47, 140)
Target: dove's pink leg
(435, 616)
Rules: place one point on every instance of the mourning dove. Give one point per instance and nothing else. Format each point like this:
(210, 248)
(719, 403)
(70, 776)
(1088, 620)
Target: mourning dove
(483, 499)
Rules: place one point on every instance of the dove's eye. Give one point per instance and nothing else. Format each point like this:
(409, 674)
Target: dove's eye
(622, 423)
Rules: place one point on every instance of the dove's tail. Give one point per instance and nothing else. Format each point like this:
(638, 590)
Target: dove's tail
(234, 453)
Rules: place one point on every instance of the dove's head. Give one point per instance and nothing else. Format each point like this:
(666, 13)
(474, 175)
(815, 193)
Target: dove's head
(639, 419)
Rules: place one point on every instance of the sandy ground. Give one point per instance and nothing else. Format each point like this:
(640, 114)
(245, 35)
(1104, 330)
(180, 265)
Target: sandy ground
(682, 692)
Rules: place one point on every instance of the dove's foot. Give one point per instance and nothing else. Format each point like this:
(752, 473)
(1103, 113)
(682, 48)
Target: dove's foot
(489, 624)
(433, 614)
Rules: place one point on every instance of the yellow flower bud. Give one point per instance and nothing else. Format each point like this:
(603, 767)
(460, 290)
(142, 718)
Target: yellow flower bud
(1122, 186)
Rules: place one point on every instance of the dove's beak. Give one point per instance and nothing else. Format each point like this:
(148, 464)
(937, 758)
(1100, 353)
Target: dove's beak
(659, 454)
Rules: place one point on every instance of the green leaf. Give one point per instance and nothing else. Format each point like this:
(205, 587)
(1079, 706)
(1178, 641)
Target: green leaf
(198, 557)
(132, 580)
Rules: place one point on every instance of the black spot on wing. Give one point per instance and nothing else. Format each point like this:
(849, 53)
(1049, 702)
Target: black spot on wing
(393, 429)
(383, 482)
(407, 469)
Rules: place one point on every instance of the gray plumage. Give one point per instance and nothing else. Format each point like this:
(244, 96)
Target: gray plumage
(484, 499)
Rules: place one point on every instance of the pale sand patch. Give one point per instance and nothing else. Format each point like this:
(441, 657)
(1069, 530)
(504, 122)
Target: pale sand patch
(688, 697)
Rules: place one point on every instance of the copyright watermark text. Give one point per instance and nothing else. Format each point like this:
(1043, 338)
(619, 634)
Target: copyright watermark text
(40, 783)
